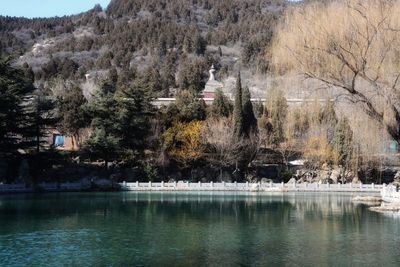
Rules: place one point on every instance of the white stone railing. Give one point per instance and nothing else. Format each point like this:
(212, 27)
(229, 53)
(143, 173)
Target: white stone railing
(158, 102)
(234, 186)
(390, 194)
(211, 186)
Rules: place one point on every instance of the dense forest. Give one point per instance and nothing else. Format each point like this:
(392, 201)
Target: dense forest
(174, 42)
(93, 77)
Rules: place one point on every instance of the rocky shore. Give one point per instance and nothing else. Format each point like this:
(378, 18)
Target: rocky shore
(264, 173)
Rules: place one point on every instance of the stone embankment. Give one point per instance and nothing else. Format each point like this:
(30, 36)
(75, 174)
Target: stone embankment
(390, 200)
(187, 186)
(83, 185)
(251, 187)
(368, 200)
(325, 175)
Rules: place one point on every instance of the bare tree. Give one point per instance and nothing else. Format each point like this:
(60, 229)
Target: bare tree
(351, 45)
(217, 136)
(224, 149)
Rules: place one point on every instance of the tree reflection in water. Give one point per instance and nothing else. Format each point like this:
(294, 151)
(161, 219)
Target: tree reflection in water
(194, 229)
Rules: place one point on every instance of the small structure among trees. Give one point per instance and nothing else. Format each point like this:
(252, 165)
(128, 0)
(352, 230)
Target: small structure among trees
(212, 85)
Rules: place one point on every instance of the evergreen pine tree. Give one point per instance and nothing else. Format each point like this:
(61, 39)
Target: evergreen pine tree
(104, 141)
(342, 142)
(238, 126)
(153, 79)
(72, 113)
(221, 106)
(40, 115)
(134, 114)
(14, 91)
(249, 119)
(190, 74)
(190, 107)
(168, 74)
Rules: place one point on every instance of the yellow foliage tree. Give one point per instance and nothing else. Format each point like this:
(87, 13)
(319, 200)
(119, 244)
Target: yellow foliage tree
(182, 141)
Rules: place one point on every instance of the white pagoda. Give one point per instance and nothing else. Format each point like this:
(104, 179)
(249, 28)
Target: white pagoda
(212, 85)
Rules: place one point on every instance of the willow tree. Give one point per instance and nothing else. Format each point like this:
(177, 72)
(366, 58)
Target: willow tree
(353, 46)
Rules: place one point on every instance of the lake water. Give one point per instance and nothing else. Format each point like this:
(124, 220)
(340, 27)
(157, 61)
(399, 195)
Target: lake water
(193, 229)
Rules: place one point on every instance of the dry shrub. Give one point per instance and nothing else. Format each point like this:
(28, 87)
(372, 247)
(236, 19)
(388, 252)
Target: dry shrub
(309, 130)
(277, 111)
(224, 149)
(318, 151)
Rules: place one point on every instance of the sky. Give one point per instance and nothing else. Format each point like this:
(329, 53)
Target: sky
(47, 8)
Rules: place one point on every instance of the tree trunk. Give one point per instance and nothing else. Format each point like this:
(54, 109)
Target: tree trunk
(73, 142)
(37, 140)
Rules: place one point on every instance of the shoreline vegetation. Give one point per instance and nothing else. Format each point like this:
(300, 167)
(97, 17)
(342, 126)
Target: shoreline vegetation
(103, 102)
(128, 139)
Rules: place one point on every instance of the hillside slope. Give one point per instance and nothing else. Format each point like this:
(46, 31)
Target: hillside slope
(171, 42)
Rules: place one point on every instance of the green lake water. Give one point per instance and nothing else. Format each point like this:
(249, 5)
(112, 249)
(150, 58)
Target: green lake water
(194, 229)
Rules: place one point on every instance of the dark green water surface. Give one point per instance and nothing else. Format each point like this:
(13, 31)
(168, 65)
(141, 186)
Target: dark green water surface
(194, 229)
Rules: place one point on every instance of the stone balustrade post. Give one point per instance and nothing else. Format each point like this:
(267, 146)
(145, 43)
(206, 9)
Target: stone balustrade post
(137, 184)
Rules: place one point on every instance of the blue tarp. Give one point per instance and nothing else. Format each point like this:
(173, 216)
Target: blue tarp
(59, 141)
(393, 147)
(390, 147)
